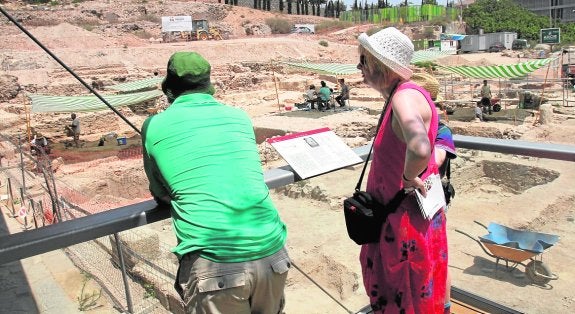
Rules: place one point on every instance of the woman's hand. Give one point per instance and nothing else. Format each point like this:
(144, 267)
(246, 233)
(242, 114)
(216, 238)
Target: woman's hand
(411, 185)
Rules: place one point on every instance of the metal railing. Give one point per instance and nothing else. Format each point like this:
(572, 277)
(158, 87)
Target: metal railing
(34, 242)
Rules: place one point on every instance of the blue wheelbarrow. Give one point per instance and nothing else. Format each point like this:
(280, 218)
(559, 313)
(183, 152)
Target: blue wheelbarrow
(516, 247)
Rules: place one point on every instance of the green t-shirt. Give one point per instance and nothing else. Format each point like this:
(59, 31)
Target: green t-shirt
(203, 155)
(324, 93)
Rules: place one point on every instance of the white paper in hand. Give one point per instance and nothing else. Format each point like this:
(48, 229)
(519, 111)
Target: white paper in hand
(435, 199)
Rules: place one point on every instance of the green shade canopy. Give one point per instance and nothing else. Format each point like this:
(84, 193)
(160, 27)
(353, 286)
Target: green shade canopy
(328, 68)
(498, 71)
(45, 103)
(137, 85)
(348, 69)
(429, 55)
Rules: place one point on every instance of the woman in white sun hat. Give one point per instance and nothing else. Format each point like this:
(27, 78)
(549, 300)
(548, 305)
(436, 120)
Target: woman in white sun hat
(406, 271)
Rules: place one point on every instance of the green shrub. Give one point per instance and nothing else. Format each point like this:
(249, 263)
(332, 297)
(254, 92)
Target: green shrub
(374, 30)
(150, 18)
(332, 25)
(428, 32)
(143, 34)
(429, 65)
(40, 22)
(278, 25)
(323, 43)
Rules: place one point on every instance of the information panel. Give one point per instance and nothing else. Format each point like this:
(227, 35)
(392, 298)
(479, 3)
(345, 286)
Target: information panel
(550, 35)
(314, 152)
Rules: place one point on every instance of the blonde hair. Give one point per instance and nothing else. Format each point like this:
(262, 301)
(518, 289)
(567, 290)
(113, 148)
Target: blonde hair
(379, 67)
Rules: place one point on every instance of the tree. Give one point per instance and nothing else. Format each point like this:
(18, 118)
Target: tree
(319, 3)
(281, 6)
(503, 15)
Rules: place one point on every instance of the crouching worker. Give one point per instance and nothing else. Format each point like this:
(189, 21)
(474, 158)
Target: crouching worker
(39, 144)
(201, 158)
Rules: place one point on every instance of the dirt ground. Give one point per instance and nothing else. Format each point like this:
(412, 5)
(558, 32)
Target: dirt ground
(520, 192)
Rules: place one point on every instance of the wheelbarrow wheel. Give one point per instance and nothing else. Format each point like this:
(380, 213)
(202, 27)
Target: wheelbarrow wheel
(535, 269)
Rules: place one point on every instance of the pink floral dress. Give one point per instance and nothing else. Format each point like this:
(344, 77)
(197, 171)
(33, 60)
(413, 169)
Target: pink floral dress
(406, 271)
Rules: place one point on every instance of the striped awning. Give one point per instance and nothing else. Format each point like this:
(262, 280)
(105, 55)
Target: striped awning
(429, 55)
(498, 71)
(328, 68)
(348, 69)
(45, 103)
(137, 85)
(451, 36)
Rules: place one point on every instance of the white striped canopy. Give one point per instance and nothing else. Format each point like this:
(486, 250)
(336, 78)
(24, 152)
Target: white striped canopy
(329, 68)
(498, 71)
(428, 55)
(136, 85)
(45, 103)
(348, 69)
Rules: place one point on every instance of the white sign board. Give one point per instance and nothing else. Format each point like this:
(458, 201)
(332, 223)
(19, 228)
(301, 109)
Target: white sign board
(314, 152)
(177, 24)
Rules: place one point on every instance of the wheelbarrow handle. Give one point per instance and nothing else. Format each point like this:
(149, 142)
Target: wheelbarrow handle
(467, 234)
(478, 242)
(482, 225)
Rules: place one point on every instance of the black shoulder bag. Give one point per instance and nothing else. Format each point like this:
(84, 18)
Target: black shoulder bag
(448, 189)
(364, 215)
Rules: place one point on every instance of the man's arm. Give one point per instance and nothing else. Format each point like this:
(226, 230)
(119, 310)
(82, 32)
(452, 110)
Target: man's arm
(345, 92)
(155, 178)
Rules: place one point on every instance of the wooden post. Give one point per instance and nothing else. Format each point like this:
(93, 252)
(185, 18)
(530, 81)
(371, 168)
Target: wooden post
(33, 213)
(275, 84)
(21, 161)
(538, 112)
(22, 203)
(11, 197)
(42, 213)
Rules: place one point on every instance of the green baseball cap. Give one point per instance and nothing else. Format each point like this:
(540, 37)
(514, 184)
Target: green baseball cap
(188, 72)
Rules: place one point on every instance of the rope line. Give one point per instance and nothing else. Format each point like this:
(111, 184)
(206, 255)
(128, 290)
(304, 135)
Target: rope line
(321, 288)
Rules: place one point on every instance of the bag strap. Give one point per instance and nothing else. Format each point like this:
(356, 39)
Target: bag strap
(387, 101)
(448, 169)
(396, 200)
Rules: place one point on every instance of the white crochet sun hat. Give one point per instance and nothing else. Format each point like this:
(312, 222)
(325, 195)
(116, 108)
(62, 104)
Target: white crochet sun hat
(392, 48)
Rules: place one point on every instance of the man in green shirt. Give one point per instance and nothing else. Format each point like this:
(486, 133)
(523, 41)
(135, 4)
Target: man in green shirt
(324, 95)
(201, 158)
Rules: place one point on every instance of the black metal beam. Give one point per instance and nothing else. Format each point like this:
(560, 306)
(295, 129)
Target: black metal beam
(525, 148)
(49, 238)
(480, 303)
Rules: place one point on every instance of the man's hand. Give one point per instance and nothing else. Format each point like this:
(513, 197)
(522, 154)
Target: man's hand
(164, 200)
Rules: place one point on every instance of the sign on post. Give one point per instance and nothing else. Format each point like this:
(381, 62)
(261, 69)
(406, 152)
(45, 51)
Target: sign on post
(177, 24)
(314, 152)
(550, 36)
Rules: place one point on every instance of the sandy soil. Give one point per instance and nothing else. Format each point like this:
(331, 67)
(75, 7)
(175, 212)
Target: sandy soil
(519, 192)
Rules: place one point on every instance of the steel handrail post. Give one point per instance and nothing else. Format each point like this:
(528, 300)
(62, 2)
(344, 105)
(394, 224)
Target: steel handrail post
(124, 274)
